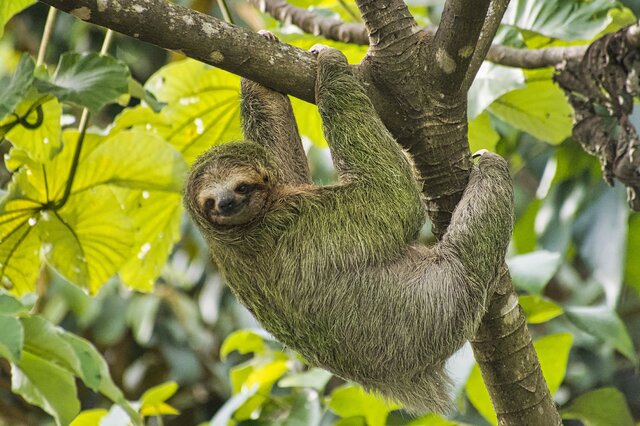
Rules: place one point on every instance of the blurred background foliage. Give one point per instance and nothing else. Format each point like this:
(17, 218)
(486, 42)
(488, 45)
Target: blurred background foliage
(114, 261)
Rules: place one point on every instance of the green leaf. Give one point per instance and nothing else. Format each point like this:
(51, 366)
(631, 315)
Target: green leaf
(156, 218)
(225, 414)
(492, 82)
(315, 378)
(540, 109)
(13, 91)
(40, 142)
(353, 401)
(532, 271)
(89, 417)
(539, 309)
(10, 8)
(19, 247)
(309, 122)
(47, 385)
(481, 134)
(11, 306)
(632, 266)
(604, 324)
(202, 105)
(159, 393)
(431, 420)
(11, 338)
(88, 80)
(136, 90)
(553, 354)
(602, 407)
(243, 341)
(89, 239)
(566, 20)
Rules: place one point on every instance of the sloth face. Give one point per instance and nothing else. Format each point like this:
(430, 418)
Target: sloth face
(234, 196)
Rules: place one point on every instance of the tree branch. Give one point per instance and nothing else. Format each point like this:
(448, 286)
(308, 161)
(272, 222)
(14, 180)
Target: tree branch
(389, 24)
(309, 22)
(491, 24)
(280, 66)
(455, 42)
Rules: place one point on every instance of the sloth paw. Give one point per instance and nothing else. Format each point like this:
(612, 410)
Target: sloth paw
(268, 35)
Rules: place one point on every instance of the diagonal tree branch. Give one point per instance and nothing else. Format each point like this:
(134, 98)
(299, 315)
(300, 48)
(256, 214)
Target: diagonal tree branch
(455, 42)
(388, 23)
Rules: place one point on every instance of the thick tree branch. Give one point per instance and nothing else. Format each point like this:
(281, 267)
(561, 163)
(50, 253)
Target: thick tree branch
(277, 65)
(389, 24)
(455, 42)
(309, 22)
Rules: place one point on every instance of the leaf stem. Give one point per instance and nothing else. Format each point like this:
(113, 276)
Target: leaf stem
(224, 9)
(46, 35)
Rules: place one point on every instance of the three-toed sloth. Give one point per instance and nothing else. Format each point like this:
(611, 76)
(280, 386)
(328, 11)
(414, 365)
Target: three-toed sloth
(336, 272)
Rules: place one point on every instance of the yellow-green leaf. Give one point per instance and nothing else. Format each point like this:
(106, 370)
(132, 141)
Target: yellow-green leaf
(158, 409)
(243, 341)
(89, 417)
(602, 407)
(481, 134)
(353, 401)
(539, 309)
(158, 394)
(10, 8)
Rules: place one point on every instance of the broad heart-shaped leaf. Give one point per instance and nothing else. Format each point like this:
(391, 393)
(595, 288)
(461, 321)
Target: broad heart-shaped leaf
(540, 109)
(532, 271)
(566, 20)
(553, 354)
(202, 105)
(606, 325)
(353, 401)
(492, 82)
(601, 407)
(89, 239)
(41, 138)
(10, 8)
(19, 247)
(11, 338)
(47, 385)
(156, 217)
(14, 90)
(89, 80)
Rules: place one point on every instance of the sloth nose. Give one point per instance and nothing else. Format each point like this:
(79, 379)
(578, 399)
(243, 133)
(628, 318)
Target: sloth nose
(226, 205)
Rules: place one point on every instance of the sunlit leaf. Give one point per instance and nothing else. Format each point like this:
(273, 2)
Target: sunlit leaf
(19, 246)
(156, 218)
(566, 20)
(539, 309)
(89, 80)
(153, 400)
(602, 407)
(532, 271)
(202, 105)
(10, 8)
(316, 378)
(89, 417)
(243, 341)
(225, 413)
(353, 401)
(606, 325)
(491, 82)
(14, 90)
(41, 139)
(431, 420)
(632, 267)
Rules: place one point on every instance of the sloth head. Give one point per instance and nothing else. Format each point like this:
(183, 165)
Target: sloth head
(230, 185)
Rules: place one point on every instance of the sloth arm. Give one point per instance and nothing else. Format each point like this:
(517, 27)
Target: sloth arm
(267, 119)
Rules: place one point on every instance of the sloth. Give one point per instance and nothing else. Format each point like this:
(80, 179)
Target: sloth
(337, 272)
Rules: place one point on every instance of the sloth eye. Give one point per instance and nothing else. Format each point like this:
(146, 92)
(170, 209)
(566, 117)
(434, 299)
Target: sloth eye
(243, 188)
(208, 205)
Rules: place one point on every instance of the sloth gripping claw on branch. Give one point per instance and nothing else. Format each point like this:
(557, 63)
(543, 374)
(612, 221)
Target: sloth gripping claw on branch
(336, 272)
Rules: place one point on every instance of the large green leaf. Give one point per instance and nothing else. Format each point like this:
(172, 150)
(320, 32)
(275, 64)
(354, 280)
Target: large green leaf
(11, 338)
(540, 109)
(89, 239)
(632, 266)
(606, 325)
(89, 80)
(202, 105)
(15, 89)
(602, 407)
(481, 134)
(8, 8)
(41, 139)
(532, 271)
(566, 20)
(353, 401)
(19, 247)
(539, 309)
(156, 217)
